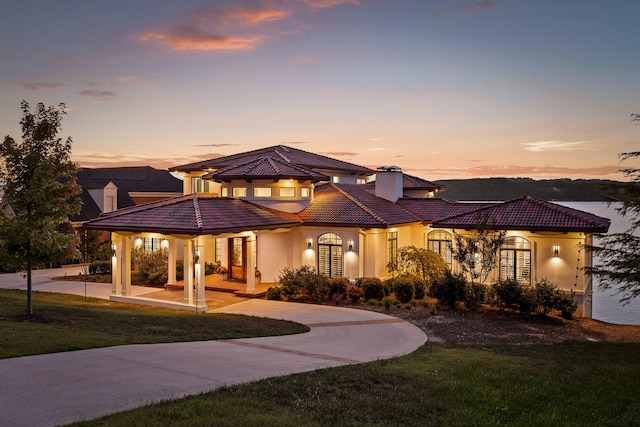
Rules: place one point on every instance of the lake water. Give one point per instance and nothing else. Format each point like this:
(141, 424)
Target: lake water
(605, 303)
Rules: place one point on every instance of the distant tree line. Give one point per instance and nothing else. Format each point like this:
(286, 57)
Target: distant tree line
(497, 189)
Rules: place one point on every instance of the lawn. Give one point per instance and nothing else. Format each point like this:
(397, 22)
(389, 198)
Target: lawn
(68, 322)
(569, 384)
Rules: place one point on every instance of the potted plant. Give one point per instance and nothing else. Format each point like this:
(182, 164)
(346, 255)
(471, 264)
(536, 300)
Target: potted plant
(222, 272)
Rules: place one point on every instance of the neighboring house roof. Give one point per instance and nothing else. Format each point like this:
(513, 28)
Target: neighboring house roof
(286, 154)
(266, 168)
(194, 214)
(530, 214)
(410, 182)
(353, 205)
(430, 209)
(135, 179)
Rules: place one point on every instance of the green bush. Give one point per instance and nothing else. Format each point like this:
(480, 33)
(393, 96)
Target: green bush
(449, 289)
(180, 269)
(274, 294)
(337, 286)
(510, 294)
(372, 287)
(303, 283)
(100, 267)
(151, 267)
(404, 289)
(354, 293)
(419, 286)
(550, 298)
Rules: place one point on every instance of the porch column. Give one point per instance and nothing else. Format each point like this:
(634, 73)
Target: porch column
(116, 266)
(200, 267)
(188, 271)
(251, 264)
(126, 265)
(171, 268)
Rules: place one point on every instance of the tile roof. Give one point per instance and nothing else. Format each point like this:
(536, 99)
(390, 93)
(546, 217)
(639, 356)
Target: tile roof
(432, 209)
(266, 168)
(410, 182)
(282, 152)
(353, 205)
(530, 214)
(194, 214)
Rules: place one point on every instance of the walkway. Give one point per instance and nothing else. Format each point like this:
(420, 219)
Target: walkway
(53, 389)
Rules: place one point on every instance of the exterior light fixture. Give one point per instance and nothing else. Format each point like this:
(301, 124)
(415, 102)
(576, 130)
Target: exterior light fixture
(556, 251)
(309, 243)
(350, 243)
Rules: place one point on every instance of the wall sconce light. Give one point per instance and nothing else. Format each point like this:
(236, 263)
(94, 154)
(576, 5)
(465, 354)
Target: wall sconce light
(309, 243)
(556, 251)
(350, 245)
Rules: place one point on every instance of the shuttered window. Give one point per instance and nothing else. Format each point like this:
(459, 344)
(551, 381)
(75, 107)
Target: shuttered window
(330, 255)
(515, 260)
(440, 243)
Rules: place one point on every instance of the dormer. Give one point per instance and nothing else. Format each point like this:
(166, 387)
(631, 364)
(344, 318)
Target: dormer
(268, 182)
(106, 198)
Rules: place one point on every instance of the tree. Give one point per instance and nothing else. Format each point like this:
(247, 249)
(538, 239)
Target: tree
(424, 263)
(477, 255)
(38, 183)
(619, 253)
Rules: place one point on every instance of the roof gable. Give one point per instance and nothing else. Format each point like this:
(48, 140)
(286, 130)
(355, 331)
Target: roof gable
(530, 214)
(410, 182)
(431, 209)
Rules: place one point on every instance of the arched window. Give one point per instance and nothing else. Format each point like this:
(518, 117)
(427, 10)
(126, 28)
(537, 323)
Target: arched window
(330, 255)
(440, 242)
(515, 260)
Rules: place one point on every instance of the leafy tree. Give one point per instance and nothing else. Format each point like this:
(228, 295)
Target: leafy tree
(477, 254)
(619, 253)
(424, 263)
(37, 181)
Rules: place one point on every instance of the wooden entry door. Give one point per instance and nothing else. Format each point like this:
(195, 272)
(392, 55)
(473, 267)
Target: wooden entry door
(238, 258)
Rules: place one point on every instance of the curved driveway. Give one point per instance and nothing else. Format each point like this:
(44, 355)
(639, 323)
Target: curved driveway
(53, 389)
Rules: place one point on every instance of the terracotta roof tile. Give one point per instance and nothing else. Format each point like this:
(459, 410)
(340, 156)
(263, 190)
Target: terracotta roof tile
(432, 209)
(194, 214)
(353, 205)
(266, 168)
(410, 182)
(282, 152)
(531, 214)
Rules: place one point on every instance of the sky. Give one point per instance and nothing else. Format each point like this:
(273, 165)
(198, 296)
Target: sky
(442, 88)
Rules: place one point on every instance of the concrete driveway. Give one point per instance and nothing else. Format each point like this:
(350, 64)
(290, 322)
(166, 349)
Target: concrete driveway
(53, 389)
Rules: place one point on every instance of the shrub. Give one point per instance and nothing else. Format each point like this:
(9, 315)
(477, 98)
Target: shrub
(449, 289)
(474, 295)
(354, 292)
(337, 286)
(180, 269)
(372, 288)
(151, 266)
(549, 298)
(303, 283)
(387, 303)
(210, 268)
(419, 286)
(100, 267)
(274, 294)
(404, 289)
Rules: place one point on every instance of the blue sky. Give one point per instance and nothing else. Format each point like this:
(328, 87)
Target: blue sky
(442, 88)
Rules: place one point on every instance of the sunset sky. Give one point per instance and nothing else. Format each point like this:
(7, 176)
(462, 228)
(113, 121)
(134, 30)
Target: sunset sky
(442, 88)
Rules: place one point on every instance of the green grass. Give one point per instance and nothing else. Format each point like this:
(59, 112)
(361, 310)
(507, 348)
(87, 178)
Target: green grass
(68, 322)
(570, 384)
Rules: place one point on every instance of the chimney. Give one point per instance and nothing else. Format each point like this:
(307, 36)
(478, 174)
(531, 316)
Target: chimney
(389, 183)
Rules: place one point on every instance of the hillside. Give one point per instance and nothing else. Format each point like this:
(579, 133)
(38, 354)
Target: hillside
(513, 188)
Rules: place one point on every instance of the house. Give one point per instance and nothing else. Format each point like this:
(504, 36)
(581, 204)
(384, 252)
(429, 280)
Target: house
(281, 207)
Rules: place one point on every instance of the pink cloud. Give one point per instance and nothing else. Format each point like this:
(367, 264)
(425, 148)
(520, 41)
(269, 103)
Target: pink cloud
(39, 85)
(326, 4)
(191, 38)
(477, 7)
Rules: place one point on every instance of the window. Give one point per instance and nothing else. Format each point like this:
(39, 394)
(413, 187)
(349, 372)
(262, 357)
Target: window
(218, 251)
(305, 192)
(330, 255)
(361, 181)
(150, 244)
(196, 184)
(515, 260)
(225, 192)
(335, 179)
(392, 250)
(440, 243)
(287, 192)
(239, 192)
(261, 192)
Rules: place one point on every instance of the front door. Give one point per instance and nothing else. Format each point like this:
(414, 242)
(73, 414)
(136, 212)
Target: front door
(238, 258)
